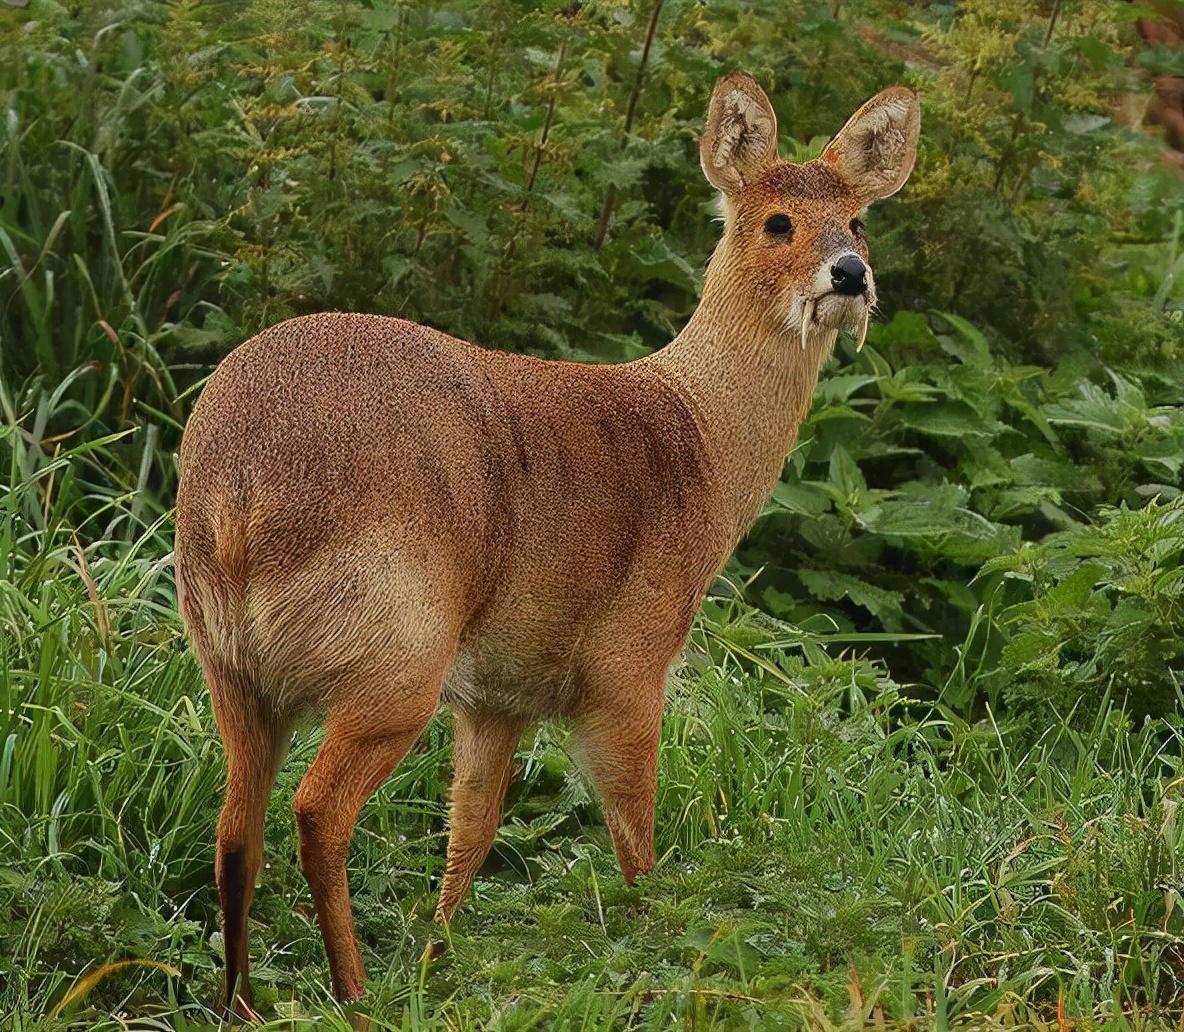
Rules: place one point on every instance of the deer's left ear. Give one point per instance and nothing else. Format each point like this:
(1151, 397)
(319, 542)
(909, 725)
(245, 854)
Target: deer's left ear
(876, 149)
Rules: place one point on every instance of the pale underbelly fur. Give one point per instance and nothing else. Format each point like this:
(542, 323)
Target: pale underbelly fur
(486, 676)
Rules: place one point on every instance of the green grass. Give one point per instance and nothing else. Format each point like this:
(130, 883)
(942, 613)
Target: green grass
(832, 852)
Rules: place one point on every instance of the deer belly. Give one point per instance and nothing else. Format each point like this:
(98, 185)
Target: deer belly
(504, 677)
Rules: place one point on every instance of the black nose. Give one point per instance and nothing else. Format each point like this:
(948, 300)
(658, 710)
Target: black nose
(849, 275)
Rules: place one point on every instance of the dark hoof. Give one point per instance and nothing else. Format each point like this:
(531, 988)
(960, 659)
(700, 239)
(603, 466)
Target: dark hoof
(436, 948)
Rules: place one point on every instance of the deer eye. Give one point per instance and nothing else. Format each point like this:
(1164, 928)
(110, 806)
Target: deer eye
(857, 228)
(779, 225)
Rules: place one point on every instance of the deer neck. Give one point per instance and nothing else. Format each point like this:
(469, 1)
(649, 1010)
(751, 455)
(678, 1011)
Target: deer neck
(748, 381)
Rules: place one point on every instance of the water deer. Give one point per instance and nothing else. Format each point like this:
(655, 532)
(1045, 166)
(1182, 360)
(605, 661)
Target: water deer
(375, 518)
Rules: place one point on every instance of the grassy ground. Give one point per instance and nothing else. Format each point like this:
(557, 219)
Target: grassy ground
(832, 853)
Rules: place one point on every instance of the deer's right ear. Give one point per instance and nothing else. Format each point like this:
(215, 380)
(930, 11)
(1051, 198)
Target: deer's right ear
(740, 135)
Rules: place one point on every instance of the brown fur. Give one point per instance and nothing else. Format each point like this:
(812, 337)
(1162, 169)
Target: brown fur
(375, 518)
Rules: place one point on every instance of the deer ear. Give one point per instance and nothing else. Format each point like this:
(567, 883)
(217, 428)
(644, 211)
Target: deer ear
(740, 135)
(876, 149)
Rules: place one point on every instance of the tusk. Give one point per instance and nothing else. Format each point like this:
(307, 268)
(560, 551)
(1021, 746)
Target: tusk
(807, 318)
(863, 330)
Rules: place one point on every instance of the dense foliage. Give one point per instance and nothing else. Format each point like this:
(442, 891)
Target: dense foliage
(975, 812)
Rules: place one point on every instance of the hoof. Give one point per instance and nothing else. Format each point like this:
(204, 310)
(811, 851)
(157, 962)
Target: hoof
(434, 949)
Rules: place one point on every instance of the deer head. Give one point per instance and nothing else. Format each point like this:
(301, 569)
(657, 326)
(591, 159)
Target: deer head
(793, 241)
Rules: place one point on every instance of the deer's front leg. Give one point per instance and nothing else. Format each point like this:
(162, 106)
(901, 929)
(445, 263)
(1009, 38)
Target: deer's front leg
(617, 735)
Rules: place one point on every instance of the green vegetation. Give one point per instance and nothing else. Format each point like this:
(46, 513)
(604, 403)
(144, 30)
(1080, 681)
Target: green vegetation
(924, 766)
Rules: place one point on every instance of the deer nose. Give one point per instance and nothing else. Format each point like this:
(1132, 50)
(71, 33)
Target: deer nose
(849, 275)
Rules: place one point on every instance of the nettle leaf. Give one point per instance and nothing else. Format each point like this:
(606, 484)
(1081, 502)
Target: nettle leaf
(566, 206)
(835, 412)
(1017, 564)
(1095, 50)
(831, 537)
(969, 345)
(1128, 392)
(780, 603)
(1031, 648)
(845, 473)
(938, 515)
(1161, 491)
(907, 518)
(947, 419)
(499, 184)
(957, 593)
(1020, 81)
(1029, 469)
(801, 497)
(1096, 410)
(904, 386)
(1128, 616)
(324, 270)
(836, 389)
(472, 224)
(1012, 502)
(907, 329)
(623, 172)
(1074, 591)
(652, 258)
(1163, 453)
(831, 586)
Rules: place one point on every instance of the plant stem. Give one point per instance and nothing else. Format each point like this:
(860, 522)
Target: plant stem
(539, 148)
(392, 78)
(610, 198)
(1052, 22)
(494, 56)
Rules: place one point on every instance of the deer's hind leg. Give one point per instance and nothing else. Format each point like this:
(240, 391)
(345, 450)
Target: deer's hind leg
(367, 735)
(255, 742)
(482, 759)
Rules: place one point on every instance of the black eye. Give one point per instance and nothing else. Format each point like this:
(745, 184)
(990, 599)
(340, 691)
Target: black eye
(779, 225)
(857, 228)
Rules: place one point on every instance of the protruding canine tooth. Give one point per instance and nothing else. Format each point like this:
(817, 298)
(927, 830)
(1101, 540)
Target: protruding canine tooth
(807, 318)
(863, 331)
